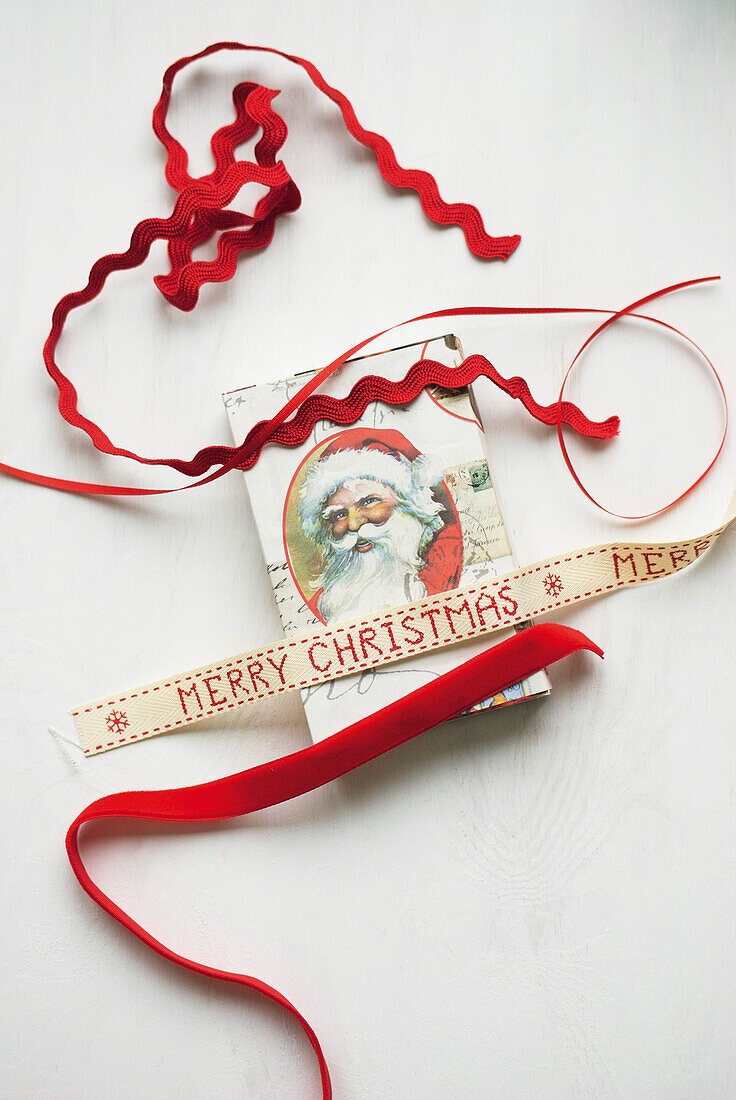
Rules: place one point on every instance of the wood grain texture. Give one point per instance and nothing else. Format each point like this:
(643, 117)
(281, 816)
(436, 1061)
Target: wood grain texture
(534, 903)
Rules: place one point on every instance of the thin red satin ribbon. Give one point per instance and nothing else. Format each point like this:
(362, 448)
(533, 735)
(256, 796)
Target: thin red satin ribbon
(280, 780)
(348, 409)
(696, 347)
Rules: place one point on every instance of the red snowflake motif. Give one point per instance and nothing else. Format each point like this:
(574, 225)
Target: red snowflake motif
(553, 584)
(117, 721)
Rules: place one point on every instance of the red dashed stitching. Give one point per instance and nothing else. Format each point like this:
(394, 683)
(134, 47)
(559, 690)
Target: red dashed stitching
(481, 589)
(402, 653)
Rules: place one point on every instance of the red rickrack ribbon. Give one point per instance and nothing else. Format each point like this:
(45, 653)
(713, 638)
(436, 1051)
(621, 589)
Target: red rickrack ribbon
(200, 212)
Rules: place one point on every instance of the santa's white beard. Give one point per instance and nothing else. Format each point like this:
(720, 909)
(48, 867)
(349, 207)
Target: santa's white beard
(358, 583)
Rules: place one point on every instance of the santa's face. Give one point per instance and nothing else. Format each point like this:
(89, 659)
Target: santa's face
(371, 550)
(357, 504)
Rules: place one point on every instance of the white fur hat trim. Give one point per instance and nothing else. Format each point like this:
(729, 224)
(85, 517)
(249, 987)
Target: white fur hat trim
(364, 464)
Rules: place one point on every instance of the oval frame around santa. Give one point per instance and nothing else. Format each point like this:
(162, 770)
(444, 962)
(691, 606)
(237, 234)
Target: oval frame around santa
(304, 558)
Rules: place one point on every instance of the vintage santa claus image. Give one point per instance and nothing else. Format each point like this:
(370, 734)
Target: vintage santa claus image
(355, 520)
(383, 523)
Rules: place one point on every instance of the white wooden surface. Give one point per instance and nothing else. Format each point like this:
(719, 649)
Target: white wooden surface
(535, 903)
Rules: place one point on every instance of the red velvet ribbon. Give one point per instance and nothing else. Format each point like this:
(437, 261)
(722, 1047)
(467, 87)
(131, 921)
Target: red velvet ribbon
(280, 780)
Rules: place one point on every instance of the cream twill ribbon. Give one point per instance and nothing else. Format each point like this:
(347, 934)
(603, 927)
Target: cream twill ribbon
(394, 635)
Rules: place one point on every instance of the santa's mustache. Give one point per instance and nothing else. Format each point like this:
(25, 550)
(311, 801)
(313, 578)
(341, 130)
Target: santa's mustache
(368, 532)
(385, 573)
